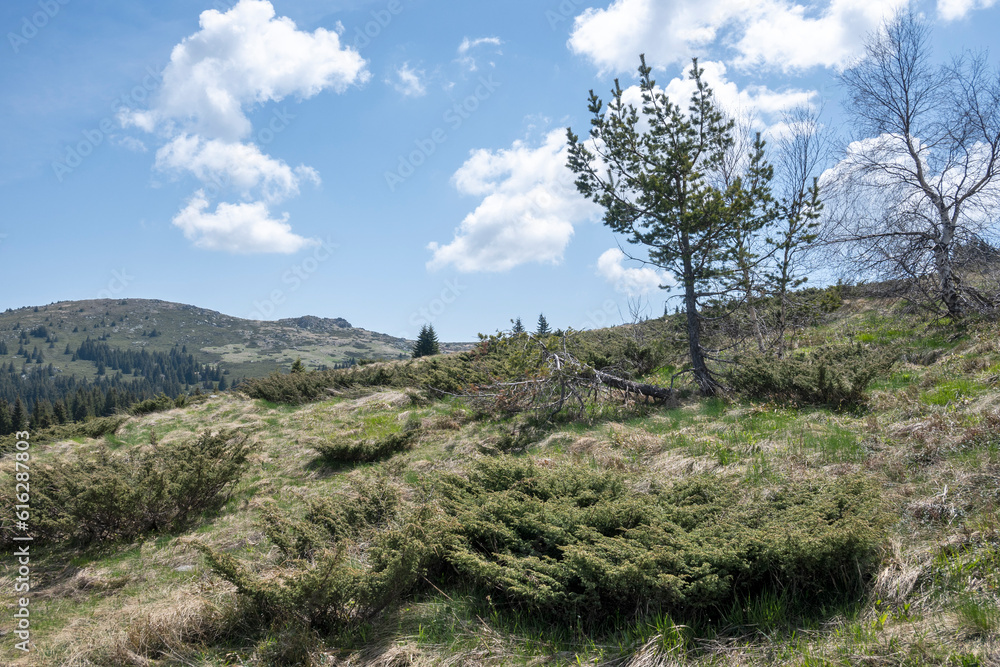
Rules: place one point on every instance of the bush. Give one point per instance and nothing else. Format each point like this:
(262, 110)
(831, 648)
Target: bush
(450, 373)
(101, 495)
(156, 404)
(837, 376)
(572, 543)
(348, 559)
(293, 388)
(371, 444)
(92, 428)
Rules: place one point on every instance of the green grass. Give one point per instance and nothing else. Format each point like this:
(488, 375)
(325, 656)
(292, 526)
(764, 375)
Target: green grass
(902, 443)
(950, 391)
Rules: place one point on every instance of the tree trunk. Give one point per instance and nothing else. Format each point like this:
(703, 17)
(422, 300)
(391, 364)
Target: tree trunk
(702, 375)
(652, 391)
(945, 270)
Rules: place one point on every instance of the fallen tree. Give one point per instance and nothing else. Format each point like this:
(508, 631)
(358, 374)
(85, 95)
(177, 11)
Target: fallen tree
(551, 379)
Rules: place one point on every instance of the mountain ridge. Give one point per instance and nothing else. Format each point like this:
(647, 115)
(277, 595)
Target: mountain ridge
(244, 348)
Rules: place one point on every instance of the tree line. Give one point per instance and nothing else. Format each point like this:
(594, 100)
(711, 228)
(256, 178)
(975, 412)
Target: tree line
(38, 395)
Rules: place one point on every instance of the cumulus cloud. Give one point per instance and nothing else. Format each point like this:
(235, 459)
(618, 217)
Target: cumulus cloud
(528, 212)
(632, 282)
(763, 106)
(241, 166)
(776, 33)
(243, 57)
(409, 81)
(238, 228)
(758, 100)
(238, 59)
(784, 35)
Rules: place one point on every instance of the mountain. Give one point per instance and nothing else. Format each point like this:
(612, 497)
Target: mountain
(244, 348)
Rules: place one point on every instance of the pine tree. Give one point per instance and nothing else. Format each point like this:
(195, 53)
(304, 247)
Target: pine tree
(518, 327)
(427, 343)
(6, 423)
(19, 416)
(298, 366)
(61, 413)
(543, 326)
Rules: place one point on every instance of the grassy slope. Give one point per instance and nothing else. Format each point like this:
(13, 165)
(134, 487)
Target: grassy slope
(927, 440)
(247, 348)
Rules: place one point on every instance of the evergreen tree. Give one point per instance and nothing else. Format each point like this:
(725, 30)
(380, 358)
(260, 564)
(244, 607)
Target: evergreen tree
(61, 413)
(19, 416)
(427, 343)
(6, 423)
(543, 326)
(3, 347)
(298, 366)
(660, 174)
(518, 327)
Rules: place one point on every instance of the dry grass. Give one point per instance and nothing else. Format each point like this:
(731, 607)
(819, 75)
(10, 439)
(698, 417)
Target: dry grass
(153, 603)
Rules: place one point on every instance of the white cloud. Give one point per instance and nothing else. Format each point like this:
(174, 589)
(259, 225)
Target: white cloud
(410, 82)
(242, 57)
(245, 228)
(239, 165)
(759, 103)
(776, 33)
(755, 98)
(468, 45)
(952, 10)
(631, 281)
(529, 208)
(783, 35)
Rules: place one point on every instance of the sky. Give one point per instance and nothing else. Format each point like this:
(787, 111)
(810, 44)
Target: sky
(393, 162)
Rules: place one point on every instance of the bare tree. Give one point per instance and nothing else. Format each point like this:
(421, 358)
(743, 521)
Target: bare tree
(802, 150)
(922, 182)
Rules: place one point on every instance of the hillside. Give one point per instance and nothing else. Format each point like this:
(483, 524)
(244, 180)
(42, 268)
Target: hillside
(367, 520)
(244, 348)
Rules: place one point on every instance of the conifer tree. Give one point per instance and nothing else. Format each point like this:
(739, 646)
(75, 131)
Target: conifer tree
(657, 171)
(298, 366)
(19, 416)
(518, 327)
(427, 343)
(543, 326)
(61, 413)
(6, 423)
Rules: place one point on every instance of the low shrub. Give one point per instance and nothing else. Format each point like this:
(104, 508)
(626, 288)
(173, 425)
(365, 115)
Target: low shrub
(92, 428)
(444, 373)
(347, 559)
(292, 388)
(371, 444)
(100, 495)
(837, 376)
(157, 404)
(572, 543)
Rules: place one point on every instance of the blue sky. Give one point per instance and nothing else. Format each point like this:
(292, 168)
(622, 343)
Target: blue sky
(393, 162)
